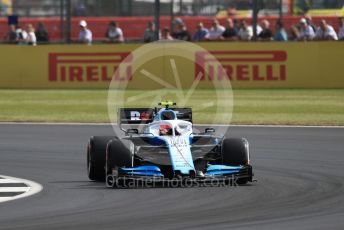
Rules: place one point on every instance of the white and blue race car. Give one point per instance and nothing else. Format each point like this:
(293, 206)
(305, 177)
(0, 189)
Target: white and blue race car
(167, 148)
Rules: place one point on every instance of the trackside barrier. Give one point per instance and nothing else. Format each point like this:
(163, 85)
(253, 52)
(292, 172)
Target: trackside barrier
(246, 65)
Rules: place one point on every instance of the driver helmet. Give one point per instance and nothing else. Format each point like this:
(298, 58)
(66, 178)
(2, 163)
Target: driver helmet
(165, 130)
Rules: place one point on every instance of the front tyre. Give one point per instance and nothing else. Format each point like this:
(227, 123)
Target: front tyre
(235, 152)
(96, 157)
(117, 156)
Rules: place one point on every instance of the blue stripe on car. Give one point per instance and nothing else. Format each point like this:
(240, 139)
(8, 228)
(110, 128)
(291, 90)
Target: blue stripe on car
(222, 170)
(143, 171)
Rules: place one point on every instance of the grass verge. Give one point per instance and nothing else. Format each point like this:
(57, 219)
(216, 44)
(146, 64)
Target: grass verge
(265, 106)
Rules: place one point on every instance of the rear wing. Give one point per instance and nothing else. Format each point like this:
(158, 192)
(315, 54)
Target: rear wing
(139, 116)
(135, 115)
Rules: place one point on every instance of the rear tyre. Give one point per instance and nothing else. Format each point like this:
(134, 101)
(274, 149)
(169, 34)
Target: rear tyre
(235, 152)
(96, 157)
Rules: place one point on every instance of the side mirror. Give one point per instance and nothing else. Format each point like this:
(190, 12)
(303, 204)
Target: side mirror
(131, 131)
(209, 130)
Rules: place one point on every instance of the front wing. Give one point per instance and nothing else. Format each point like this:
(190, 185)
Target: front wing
(152, 175)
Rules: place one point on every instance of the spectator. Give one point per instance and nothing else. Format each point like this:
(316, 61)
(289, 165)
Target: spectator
(181, 33)
(281, 34)
(216, 31)
(201, 33)
(259, 29)
(310, 23)
(230, 33)
(19, 32)
(176, 24)
(306, 31)
(166, 34)
(114, 34)
(325, 32)
(177, 21)
(341, 29)
(266, 33)
(29, 36)
(294, 33)
(237, 25)
(85, 35)
(11, 36)
(149, 35)
(42, 34)
(245, 32)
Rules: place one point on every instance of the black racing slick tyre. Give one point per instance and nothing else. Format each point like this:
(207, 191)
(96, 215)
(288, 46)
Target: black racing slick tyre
(117, 156)
(235, 152)
(96, 151)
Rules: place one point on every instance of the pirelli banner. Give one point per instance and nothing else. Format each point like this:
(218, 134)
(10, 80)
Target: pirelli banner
(154, 66)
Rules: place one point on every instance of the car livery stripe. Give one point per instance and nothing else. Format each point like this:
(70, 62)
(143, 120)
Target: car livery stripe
(223, 172)
(143, 171)
(180, 153)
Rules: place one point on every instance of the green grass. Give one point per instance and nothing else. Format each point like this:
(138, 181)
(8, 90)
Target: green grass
(279, 106)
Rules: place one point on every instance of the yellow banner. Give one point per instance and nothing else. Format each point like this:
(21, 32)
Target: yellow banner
(244, 65)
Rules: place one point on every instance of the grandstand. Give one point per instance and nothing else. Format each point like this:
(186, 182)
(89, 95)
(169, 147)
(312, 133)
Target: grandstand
(133, 15)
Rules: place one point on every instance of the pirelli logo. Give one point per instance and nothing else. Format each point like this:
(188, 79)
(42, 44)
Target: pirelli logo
(89, 67)
(241, 65)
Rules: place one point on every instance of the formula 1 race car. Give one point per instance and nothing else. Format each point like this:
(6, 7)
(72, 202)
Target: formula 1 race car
(166, 148)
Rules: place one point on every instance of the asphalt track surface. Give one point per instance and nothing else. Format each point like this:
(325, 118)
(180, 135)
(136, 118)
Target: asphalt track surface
(300, 174)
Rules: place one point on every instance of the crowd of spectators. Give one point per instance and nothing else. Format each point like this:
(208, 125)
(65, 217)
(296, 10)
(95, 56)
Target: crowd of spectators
(235, 30)
(27, 36)
(17, 35)
(232, 30)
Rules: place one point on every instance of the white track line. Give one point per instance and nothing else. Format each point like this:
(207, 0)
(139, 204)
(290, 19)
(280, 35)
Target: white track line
(32, 188)
(8, 181)
(14, 189)
(219, 125)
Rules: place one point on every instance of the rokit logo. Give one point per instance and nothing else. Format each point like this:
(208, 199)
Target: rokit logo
(138, 116)
(89, 67)
(178, 142)
(241, 65)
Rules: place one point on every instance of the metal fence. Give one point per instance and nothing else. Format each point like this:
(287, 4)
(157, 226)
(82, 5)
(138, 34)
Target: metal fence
(90, 8)
(51, 8)
(95, 8)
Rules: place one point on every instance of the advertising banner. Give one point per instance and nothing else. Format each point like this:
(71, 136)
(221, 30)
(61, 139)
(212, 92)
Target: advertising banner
(244, 65)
